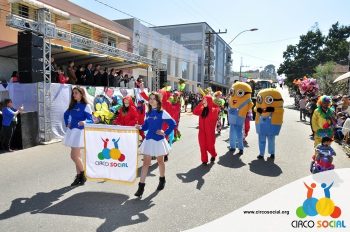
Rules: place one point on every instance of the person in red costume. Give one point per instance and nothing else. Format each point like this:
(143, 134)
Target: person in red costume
(141, 111)
(176, 104)
(208, 114)
(128, 115)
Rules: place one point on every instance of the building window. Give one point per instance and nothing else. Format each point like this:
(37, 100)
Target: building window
(177, 61)
(169, 65)
(143, 50)
(23, 11)
(184, 69)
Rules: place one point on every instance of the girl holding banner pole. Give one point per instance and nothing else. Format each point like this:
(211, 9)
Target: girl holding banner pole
(155, 143)
(78, 113)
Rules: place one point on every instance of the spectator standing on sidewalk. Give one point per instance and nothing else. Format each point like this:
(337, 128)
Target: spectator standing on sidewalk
(302, 108)
(9, 121)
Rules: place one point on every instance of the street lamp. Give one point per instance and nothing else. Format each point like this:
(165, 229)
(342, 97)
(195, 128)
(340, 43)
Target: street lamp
(253, 29)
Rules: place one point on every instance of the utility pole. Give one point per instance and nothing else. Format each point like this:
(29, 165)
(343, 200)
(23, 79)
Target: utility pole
(240, 69)
(208, 36)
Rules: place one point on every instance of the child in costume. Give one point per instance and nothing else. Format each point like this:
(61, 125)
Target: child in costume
(78, 113)
(323, 158)
(175, 113)
(208, 115)
(141, 111)
(323, 119)
(240, 103)
(268, 119)
(220, 103)
(127, 115)
(247, 120)
(155, 143)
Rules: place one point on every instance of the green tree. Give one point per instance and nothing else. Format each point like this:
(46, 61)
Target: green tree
(269, 72)
(301, 59)
(314, 49)
(324, 74)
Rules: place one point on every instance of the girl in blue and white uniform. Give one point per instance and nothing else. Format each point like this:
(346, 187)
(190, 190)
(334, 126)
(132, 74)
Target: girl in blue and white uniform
(78, 113)
(155, 143)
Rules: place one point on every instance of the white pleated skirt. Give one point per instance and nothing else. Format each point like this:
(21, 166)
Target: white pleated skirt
(152, 147)
(74, 138)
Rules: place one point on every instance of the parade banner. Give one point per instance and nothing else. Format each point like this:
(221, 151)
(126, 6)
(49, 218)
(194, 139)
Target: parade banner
(111, 152)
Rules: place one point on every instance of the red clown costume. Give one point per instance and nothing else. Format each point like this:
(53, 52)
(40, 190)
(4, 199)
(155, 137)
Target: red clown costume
(128, 118)
(207, 125)
(141, 111)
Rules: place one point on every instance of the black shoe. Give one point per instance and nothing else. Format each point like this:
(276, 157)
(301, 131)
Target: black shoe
(240, 152)
(232, 149)
(165, 158)
(260, 157)
(272, 156)
(161, 183)
(82, 178)
(212, 159)
(76, 180)
(205, 163)
(140, 190)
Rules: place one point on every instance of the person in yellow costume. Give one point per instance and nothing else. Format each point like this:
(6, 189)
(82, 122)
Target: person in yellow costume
(240, 103)
(268, 119)
(323, 119)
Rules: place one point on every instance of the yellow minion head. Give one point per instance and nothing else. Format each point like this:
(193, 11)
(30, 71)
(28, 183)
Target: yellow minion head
(240, 92)
(269, 101)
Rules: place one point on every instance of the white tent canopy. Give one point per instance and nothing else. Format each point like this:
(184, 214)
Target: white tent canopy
(342, 77)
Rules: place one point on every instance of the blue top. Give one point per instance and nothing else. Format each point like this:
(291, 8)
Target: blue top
(154, 121)
(325, 150)
(8, 115)
(80, 112)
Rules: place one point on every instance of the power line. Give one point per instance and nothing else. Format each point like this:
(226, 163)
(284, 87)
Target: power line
(267, 42)
(259, 58)
(123, 12)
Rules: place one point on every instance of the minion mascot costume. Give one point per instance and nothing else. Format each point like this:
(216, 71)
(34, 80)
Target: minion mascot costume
(269, 119)
(239, 105)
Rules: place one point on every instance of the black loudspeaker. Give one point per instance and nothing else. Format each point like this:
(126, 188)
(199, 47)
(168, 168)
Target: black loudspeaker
(163, 78)
(31, 76)
(27, 131)
(30, 39)
(30, 65)
(30, 54)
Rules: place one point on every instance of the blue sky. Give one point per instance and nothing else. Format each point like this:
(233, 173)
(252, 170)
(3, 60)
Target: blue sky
(280, 22)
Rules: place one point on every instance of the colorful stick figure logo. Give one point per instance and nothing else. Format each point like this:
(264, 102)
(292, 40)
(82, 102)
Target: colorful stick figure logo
(323, 206)
(113, 153)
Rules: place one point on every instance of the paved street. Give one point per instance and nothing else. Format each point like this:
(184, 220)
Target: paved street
(34, 196)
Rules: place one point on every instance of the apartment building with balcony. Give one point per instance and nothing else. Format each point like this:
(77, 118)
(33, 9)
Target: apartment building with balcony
(179, 62)
(214, 56)
(73, 19)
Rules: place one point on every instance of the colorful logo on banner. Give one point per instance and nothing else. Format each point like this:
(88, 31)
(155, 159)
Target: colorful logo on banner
(324, 206)
(113, 153)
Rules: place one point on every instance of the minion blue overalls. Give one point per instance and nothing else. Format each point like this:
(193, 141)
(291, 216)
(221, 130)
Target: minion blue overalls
(268, 131)
(236, 126)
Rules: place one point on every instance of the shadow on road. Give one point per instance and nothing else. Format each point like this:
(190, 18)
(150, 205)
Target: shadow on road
(231, 161)
(195, 174)
(117, 209)
(35, 204)
(265, 168)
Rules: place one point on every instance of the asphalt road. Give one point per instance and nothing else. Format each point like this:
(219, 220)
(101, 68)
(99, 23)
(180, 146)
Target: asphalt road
(34, 195)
